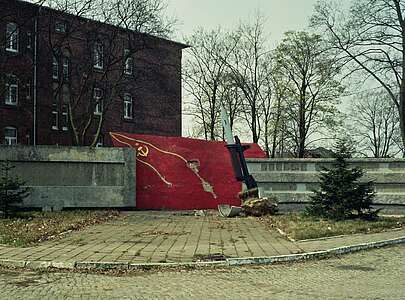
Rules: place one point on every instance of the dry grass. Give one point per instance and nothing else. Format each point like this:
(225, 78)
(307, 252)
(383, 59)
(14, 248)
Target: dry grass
(300, 227)
(35, 227)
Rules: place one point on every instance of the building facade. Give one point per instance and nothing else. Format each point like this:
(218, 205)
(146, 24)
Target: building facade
(67, 80)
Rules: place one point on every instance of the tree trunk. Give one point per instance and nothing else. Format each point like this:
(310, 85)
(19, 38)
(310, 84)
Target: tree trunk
(212, 130)
(301, 130)
(254, 127)
(266, 142)
(276, 129)
(402, 111)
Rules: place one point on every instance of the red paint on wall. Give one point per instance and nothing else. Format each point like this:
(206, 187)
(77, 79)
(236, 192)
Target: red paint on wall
(182, 173)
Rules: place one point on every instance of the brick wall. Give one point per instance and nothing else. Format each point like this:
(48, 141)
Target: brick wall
(155, 85)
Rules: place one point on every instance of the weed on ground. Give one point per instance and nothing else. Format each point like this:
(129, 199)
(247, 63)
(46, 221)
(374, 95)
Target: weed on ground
(298, 226)
(30, 228)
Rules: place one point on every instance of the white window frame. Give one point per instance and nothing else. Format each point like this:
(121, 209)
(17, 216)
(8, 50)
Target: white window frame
(12, 36)
(28, 87)
(65, 119)
(98, 101)
(10, 140)
(55, 113)
(9, 87)
(100, 141)
(60, 27)
(98, 56)
(65, 68)
(128, 63)
(55, 67)
(128, 107)
(29, 40)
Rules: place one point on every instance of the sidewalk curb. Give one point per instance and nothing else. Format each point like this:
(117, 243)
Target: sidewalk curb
(82, 265)
(314, 255)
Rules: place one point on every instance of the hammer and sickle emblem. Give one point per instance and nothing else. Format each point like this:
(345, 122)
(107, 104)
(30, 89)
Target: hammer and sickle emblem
(143, 151)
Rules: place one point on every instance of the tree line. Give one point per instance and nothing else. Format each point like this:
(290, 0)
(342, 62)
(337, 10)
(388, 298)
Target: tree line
(305, 92)
(288, 98)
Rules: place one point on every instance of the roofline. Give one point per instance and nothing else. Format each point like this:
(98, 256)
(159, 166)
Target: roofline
(38, 6)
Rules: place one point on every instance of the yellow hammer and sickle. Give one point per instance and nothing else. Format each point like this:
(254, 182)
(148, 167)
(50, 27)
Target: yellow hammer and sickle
(143, 151)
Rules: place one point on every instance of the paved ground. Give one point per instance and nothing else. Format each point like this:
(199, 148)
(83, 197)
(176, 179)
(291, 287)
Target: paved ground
(144, 237)
(377, 274)
(159, 237)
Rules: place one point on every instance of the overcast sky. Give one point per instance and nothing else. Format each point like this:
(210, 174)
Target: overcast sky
(282, 15)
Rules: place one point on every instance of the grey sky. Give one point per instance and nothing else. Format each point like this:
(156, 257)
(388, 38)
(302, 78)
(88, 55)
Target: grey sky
(282, 15)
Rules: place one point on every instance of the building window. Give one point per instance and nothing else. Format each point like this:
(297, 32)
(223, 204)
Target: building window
(55, 67)
(98, 101)
(98, 55)
(12, 37)
(100, 141)
(29, 40)
(65, 119)
(60, 26)
(28, 89)
(128, 65)
(127, 106)
(54, 117)
(65, 67)
(12, 91)
(10, 136)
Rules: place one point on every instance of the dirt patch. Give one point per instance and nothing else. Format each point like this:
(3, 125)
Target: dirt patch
(355, 268)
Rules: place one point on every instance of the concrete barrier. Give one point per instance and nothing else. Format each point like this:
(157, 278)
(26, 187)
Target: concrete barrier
(292, 180)
(72, 177)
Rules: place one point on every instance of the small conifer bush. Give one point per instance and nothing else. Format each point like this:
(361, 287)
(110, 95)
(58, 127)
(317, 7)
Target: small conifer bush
(12, 191)
(341, 195)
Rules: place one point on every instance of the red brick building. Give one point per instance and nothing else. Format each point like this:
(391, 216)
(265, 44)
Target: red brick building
(66, 80)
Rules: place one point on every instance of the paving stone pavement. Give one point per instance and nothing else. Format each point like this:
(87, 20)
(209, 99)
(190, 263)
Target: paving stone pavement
(164, 237)
(159, 237)
(376, 274)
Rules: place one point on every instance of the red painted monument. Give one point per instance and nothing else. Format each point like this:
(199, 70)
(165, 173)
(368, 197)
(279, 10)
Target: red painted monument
(183, 173)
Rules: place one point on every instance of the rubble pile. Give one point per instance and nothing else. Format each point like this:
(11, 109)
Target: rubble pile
(258, 207)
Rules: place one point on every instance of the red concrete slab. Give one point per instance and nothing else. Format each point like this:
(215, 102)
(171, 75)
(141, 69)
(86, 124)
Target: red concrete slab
(183, 173)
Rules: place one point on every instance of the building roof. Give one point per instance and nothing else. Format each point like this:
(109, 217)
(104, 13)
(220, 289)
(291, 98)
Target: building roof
(41, 6)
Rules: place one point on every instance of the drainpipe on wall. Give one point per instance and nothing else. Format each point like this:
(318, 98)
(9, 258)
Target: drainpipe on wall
(34, 96)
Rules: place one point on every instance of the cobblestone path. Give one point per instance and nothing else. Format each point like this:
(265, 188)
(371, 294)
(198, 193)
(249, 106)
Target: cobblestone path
(378, 274)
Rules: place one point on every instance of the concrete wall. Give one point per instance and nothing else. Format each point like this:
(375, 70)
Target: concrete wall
(291, 180)
(66, 177)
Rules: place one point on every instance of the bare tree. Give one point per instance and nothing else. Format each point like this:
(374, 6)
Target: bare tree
(370, 38)
(146, 16)
(314, 87)
(206, 78)
(249, 66)
(374, 123)
(232, 99)
(266, 107)
(280, 84)
(100, 58)
(95, 69)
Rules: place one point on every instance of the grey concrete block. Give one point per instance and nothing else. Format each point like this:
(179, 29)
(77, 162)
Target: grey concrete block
(292, 180)
(66, 177)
